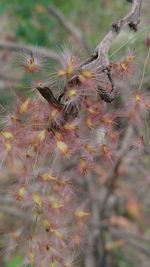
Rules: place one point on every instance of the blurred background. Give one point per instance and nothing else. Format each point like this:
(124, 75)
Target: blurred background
(50, 26)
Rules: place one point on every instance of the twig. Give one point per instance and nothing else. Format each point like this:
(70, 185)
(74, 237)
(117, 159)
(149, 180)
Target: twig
(96, 250)
(138, 237)
(131, 240)
(132, 18)
(78, 35)
(20, 46)
(100, 57)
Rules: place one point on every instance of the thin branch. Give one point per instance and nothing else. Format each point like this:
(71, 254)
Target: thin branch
(78, 35)
(133, 18)
(23, 47)
(131, 240)
(139, 237)
(96, 249)
(100, 55)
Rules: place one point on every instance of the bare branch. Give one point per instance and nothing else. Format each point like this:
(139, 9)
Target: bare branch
(100, 55)
(95, 244)
(23, 47)
(131, 240)
(133, 18)
(78, 35)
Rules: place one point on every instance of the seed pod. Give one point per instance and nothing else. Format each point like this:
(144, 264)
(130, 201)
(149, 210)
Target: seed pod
(107, 97)
(107, 94)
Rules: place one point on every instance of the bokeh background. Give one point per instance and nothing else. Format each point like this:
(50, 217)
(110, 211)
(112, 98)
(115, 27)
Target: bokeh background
(32, 22)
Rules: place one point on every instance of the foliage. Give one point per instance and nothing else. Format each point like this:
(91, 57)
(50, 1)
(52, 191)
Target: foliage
(15, 262)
